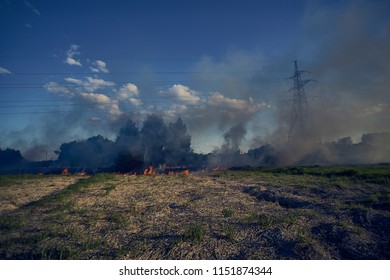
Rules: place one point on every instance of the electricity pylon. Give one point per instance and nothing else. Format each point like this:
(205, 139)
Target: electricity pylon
(299, 116)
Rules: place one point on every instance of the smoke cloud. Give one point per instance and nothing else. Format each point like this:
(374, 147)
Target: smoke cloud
(349, 100)
(235, 106)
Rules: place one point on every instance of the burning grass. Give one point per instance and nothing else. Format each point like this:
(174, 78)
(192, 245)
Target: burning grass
(246, 214)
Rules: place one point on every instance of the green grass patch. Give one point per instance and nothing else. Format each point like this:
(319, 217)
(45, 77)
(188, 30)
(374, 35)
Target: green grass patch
(9, 180)
(9, 222)
(118, 220)
(92, 244)
(6, 180)
(109, 188)
(288, 219)
(58, 252)
(229, 231)
(194, 233)
(379, 173)
(227, 212)
(304, 236)
(380, 197)
(351, 227)
(262, 220)
(374, 198)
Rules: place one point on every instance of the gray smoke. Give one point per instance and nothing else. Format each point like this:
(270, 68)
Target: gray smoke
(233, 138)
(154, 143)
(349, 46)
(240, 99)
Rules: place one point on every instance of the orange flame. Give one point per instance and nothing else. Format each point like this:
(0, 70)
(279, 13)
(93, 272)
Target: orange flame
(148, 171)
(65, 171)
(185, 172)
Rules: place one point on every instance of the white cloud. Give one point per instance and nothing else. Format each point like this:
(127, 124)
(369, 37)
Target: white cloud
(54, 87)
(135, 101)
(132, 88)
(103, 102)
(71, 52)
(4, 71)
(217, 99)
(74, 81)
(99, 82)
(184, 94)
(129, 93)
(28, 25)
(96, 98)
(114, 110)
(99, 66)
(76, 86)
(37, 12)
(94, 84)
(72, 61)
(28, 4)
(91, 84)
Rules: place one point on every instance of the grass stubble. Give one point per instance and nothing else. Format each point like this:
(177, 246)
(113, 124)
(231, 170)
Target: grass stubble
(282, 213)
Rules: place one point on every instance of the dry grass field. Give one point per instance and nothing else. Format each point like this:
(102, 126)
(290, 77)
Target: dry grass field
(284, 213)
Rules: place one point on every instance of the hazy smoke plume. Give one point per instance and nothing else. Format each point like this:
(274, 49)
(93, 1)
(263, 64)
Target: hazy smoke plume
(350, 97)
(233, 138)
(236, 107)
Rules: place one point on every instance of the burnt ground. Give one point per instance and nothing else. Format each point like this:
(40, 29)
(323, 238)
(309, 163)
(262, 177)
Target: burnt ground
(220, 215)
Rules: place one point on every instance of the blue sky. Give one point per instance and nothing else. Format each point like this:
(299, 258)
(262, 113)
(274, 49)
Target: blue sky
(147, 28)
(73, 69)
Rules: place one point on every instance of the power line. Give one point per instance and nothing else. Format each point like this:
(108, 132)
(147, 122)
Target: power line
(143, 84)
(107, 58)
(104, 110)
(86, 83)
(145, 101)
(137, 73)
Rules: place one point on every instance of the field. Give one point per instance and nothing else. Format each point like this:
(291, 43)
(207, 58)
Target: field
(279, 213)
